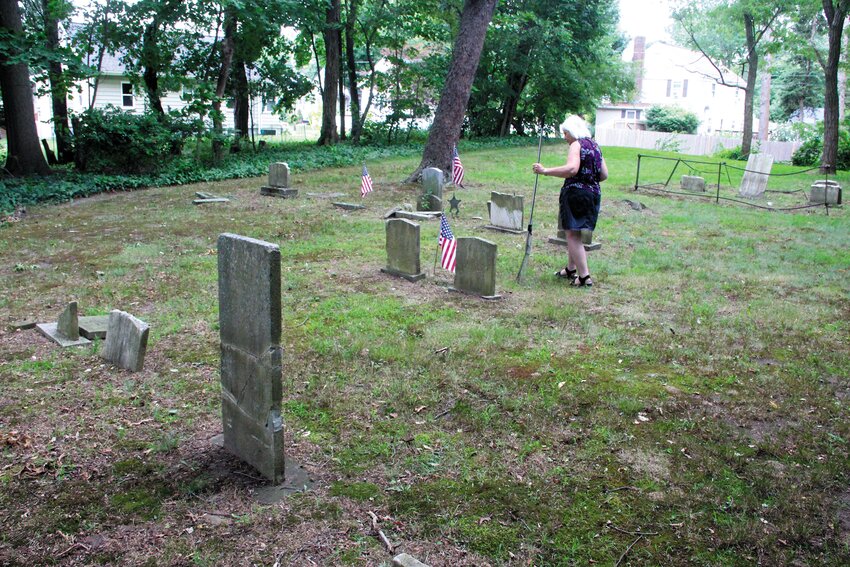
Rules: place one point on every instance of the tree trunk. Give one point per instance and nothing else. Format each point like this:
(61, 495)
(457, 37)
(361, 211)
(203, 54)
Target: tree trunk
(448, 119)
(341, 93)
(24, 155)
(749, 92)
(221, 84)
(835, 19)
(353, 88)
(58, 90)
(150, 75)
(329, 135)
(242, 102)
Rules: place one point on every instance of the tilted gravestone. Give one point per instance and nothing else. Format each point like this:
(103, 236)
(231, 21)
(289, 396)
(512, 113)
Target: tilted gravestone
(250, 328)
(403, 246)
(693, 183)
(432, 190)
(506, 213)
(126, 341)
(825, 193)
(66, 331)
(756, 175)
(476, 267)
(278, 182)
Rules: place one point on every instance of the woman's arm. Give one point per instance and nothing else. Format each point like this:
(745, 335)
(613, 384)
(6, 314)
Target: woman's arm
(603, 173)
(565, 171)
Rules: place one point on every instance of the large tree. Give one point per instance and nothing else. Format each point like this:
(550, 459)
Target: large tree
(835, 13)
(448, 118)
(329, 134)
(24, 154)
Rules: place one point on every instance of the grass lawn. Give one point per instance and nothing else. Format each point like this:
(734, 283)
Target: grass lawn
(689, 409)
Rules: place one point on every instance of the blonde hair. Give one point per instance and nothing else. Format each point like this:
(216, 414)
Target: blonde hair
(576, 126)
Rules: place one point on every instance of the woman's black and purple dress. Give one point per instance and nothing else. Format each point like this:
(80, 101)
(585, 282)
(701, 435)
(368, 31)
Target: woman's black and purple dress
(581, 195)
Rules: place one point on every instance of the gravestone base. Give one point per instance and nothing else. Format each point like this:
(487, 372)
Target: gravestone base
(418, 216)
(503, 229)
(94, 327)
(282, 192)
(431, 203)
(408, 277)
(487, 297)
(51, 331)
(348, 206)
(295, 479)
(825, 195)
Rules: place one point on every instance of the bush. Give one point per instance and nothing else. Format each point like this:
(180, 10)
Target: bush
(671, 119)
(113, 141)
(732, 153)
(809, 154)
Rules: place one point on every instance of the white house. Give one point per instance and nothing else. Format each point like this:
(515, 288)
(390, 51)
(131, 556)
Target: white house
(669, 75)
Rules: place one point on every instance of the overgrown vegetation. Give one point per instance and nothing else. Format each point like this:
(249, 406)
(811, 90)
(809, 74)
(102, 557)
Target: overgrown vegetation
(671, 119)
(812, 149)
(696, 395)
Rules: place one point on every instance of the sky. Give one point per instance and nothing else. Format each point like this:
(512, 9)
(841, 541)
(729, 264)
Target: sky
(648, 18)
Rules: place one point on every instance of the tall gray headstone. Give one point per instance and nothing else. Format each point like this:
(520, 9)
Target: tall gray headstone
(250, 327)
(126, 341)
(278, 182)
(755, 178)
(403, 250)
(475, 271)
(506, 212)
(432, 190)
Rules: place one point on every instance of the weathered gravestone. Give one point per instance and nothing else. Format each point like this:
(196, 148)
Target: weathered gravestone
(126, 341)
(403, 250)
(506, 213)
(693, 183)
(756, 175)
(250, 327)
(432, 190)
(586, 238)
(66, 331)
(278, 182)
(825, 192)
(94, 327)
(476, 267)
(203, 198)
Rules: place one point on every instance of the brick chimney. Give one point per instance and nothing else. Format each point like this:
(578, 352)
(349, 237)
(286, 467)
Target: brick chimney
(638, 58)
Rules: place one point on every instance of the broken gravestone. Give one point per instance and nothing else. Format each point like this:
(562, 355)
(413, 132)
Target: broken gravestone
(66, 331)
(693, 183)
(825, 192)
(586, 238)
(403, 250)
(475, 272)
(203, 198)
(278, 182)
(756, 175)
(94, 327)
(250, 329)
(432, 190)
(506, 213)
(126, 341)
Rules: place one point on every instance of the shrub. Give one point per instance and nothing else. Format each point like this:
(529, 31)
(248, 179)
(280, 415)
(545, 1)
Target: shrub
(809, 154)
(113, 141)
(671, 119)
(732, 153)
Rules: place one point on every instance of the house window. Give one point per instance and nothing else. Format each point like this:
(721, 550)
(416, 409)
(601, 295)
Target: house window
(268, 107)
(685, 88)
(127, 95)
(713, 89)
(676, 90)
(669, 87)
(631, 114)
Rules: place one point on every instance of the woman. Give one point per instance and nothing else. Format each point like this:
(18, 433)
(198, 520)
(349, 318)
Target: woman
(580, 195)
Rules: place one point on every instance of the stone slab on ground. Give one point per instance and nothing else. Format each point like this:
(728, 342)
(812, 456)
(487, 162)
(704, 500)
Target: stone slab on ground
(282, 192)
(50, 331)
(23, 325)
(126, 341)
(756, 175)
(211, 200)
(405, 560)
(348, 206)
(94, 327)
(417, 216)
(325, 195)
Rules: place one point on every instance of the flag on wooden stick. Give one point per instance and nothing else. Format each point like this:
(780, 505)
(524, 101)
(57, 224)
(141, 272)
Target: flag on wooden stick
(448, 245)
(365, 183)
(457, 169)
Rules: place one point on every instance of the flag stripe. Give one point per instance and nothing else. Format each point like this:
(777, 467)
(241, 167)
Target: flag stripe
(448, 245)
(365, 183)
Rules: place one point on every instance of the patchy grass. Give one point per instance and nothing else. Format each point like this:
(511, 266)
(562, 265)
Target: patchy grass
(696, 397)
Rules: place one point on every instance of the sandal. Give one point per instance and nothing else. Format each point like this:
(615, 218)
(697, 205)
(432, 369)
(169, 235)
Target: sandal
(566, 274)
(582, 281)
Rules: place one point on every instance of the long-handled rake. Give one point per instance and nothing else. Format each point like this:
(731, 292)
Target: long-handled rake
(531, 216)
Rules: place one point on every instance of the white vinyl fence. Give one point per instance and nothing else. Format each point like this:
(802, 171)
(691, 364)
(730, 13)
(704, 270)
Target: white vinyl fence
(692, 144)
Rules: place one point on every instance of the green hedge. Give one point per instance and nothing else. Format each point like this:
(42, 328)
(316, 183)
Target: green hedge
(302, 156)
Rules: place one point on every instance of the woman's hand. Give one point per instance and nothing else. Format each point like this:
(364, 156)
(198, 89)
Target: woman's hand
(538, 168)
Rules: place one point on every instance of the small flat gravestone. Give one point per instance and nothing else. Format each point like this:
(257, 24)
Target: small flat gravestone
(126, 341)
(348, 206)
(403, 250)
(203, 198)
(278, 182)
(506, 213)
(94, 327)
(756, 175)
(432, 190)
(475, 272)
(693, 183)
(405, 560)
(825, 193)
(66, 331)
(250, 328)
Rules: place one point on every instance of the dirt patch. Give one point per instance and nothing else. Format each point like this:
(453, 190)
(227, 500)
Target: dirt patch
(654, 465)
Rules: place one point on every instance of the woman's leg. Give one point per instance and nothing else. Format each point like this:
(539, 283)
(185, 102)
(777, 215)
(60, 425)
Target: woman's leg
(578, 257)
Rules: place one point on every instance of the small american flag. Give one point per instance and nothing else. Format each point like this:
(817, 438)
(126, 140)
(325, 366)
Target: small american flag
(448, 244)
(365, 183)
(457, 169)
